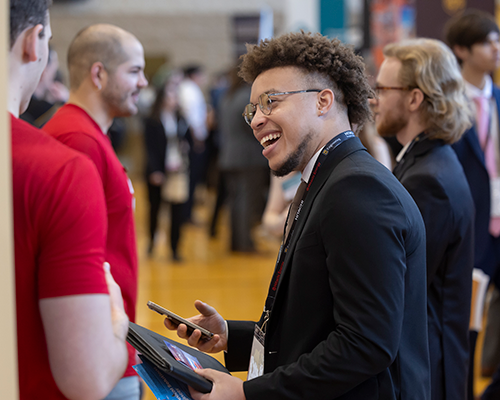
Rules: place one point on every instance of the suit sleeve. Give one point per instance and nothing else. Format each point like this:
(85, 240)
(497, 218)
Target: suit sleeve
(365, 233)
(239, 345)
(436, 209)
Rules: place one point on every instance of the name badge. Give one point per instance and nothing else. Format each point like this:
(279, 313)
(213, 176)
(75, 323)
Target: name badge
(495, 197)
(256, 367)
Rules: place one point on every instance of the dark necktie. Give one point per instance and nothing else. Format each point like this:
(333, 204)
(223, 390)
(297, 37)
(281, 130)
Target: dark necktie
(294, 207)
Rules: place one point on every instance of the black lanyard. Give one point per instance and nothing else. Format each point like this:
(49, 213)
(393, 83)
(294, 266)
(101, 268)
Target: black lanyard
(327, 150)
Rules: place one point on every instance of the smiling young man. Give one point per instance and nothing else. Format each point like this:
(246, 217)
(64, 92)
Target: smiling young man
(345, 317)
(106, 67)
(474, 38)
(422, 102)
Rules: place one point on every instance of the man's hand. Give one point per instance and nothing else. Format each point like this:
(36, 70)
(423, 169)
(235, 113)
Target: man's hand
(209, 319)
(119, 318)
(225, 387)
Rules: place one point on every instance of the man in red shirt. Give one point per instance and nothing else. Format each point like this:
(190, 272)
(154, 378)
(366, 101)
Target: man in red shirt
(106, 68)
(71, 322)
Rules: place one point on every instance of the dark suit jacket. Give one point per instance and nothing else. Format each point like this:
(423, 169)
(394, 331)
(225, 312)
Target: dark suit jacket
(471, 157)
(432, 174)
(349, 320)
(156, 142)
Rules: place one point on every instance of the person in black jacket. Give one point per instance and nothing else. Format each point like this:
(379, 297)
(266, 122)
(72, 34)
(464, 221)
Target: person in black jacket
(474, 37)
(165, 133)
(422, 102)
(345, 317)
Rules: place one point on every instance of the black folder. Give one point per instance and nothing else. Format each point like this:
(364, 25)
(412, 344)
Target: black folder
(152, 346)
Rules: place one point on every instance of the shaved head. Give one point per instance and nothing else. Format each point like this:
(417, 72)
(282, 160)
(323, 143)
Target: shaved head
(97, 43)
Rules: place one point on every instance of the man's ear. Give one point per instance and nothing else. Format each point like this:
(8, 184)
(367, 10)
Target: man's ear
(31, 38)
(415, 99)
(98, 75)
(326, 99)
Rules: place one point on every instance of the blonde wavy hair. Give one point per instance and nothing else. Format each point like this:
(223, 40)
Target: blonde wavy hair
(429, 65)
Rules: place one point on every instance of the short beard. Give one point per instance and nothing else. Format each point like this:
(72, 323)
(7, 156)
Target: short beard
(116, 102)
(293, 161)
(392, 127)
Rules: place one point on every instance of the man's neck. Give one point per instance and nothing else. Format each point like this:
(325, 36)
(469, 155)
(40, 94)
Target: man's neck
(410, 132)
(13, 106)
(15, 92)
(94, 108)
(341, 127)
(473, 76)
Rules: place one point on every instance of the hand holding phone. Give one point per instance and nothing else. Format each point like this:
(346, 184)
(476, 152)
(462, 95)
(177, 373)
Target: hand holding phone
(176, 319)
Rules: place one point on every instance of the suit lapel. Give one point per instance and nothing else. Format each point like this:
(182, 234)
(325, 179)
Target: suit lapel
(419, 149)
(473, 140)
(324, 172)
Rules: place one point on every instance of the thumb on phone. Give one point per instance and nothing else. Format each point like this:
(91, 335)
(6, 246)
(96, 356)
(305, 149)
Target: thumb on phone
(205, 309)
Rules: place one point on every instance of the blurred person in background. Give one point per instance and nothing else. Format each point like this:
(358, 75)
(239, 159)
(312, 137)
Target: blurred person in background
(281, 193)
(421, 101)
(245, 169)
(165, 134)
(71, 325)
(474, 37)
(194, 110)
(217, 93)
(106, 72)
(49, 95)
(375, 144)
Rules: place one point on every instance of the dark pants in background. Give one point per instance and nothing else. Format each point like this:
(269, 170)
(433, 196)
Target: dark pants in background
(247, 190)
(178, 215)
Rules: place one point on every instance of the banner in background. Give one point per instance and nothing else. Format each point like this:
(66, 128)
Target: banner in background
(391, 21)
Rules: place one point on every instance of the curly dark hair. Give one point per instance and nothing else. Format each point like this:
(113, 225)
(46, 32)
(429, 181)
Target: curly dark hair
(328, 62)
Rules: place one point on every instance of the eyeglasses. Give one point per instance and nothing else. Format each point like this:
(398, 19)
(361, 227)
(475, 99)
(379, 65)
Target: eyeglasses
(379, 89)
(266, 104)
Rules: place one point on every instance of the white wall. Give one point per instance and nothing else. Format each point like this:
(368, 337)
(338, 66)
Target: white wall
(184, 31)
(302, 14)
(165, 7)
(8, 347)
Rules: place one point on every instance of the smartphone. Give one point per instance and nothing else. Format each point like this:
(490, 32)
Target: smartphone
(207, 335)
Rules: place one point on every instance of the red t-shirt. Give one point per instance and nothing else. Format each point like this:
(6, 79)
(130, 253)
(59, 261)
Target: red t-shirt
(59, 239)
(75, 128)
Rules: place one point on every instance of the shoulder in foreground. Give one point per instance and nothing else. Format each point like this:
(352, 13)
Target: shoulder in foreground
(32, 148)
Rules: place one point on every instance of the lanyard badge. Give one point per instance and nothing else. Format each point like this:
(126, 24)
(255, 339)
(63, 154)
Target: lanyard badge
(256, 367)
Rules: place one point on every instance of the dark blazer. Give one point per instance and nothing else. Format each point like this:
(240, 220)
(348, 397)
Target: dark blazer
(349, 320)
(471, 156)
(432, 174)
(156, 142)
